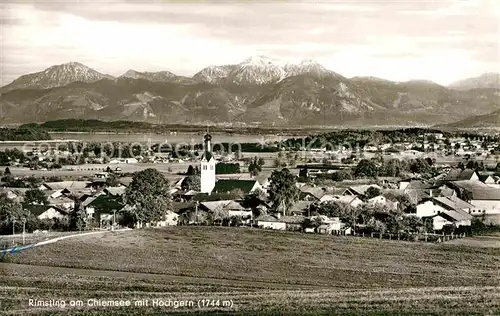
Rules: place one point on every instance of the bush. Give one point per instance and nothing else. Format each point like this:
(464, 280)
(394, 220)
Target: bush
(6, 258)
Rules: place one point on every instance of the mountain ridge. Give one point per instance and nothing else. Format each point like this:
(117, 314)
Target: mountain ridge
(258, 90)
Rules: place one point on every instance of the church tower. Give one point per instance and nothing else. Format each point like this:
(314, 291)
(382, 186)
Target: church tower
(208, 162)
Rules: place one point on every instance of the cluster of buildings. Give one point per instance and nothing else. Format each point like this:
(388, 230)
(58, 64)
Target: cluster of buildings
(452, 199)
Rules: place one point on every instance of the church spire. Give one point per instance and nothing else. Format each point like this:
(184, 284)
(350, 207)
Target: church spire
(208, 145)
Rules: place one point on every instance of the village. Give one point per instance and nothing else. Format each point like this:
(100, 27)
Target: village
(415, 199)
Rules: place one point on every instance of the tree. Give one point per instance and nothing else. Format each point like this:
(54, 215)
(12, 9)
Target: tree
(419, 165)
(148, 193)
(261, 162)
(7, 172)
(260, 194)
(283, 192)
(235, 221)
(413, 224)
(190, 171)
(78, 219)
(192, 182)
(36, 196)
(365, 168)
(236, 194)
(392, 168)
(112, 180)
(254, 167)
(372, 192)
(10, 212)
(343, 211)
(342, 175)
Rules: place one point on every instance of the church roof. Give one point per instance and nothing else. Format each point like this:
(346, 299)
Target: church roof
(207, 153)
(224, 186)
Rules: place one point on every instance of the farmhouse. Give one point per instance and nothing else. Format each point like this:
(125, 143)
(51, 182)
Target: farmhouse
(231, 207)
(350, 200)
(459, 175)
(68, 185)
(115, 191)
(300, 208)
(267, 221)
(454, 218)
(168, 219)
(383, 201)
(360, 190)
(485, 199)
(436, 205)
(46, 212)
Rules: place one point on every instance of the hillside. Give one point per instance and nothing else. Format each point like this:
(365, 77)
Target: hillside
(487, 80)
(56, 76)
(260, 271)
(491, 120)
(257, 91)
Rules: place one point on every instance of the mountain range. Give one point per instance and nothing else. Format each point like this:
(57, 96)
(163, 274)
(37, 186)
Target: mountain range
(487, 121)
(257, 91)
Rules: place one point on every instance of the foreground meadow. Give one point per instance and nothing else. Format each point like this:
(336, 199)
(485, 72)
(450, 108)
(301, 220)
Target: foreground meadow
(259, 272)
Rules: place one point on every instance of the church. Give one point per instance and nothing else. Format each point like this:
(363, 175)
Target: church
(207, 170)
(208, 180)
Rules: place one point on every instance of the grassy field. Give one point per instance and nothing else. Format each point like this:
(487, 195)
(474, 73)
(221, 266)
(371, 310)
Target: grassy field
(253, 272)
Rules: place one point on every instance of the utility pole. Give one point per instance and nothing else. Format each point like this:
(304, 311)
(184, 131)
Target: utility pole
(114, 220)
(24, 230)
(196, 212)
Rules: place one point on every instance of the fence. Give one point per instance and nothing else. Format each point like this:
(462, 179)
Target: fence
(437, 238)
(8, 241)
(47, 238)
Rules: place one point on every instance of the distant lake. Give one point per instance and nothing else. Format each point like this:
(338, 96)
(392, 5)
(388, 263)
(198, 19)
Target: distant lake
(187, 138)
(170, 138)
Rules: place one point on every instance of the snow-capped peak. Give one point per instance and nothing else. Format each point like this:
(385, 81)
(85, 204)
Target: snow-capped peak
(260, 60)
(131, 73)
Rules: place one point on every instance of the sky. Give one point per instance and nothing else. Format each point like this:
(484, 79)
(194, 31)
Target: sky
(441, 41)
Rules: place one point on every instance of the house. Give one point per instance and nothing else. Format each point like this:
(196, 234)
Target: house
(484, 198)
(46, 212)
(13, 194)
(360, 190)
(383, 201)
(413, 184)
(486, 179)
(330, 225)
(228, 185)
(300, 208)
(489, 180)
(70, 186)
(168, 219)
(123, 160)
(459, 175)
(350, 200)
(454, 218)
(313, 193)
(62, 202)
(229, 207)
(115, 191)
(435, 205)
(293, 223)
(267, 221)
(102, 204)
